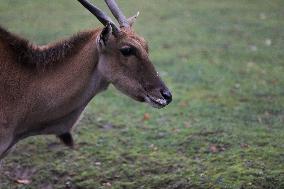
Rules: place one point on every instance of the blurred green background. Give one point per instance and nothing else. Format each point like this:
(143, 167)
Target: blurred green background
(223, 61)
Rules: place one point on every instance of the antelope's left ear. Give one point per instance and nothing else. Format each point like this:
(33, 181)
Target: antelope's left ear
(132, 19)
(105, 35)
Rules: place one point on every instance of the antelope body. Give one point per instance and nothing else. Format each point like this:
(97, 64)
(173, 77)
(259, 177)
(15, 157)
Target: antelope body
(44, 89)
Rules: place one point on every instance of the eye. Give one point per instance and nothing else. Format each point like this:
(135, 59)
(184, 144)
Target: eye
(127, 51)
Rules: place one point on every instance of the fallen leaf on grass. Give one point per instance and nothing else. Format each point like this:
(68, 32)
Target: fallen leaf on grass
(274, 81)
(21, 175)
(23, 181)
(243, 145)
(146, 117)
(108, 184)
(213, 148)
(176, 130)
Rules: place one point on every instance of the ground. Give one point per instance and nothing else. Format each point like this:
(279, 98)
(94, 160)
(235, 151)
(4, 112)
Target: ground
(223, 61)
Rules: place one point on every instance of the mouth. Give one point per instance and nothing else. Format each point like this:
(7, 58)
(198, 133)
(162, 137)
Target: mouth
(156, 102)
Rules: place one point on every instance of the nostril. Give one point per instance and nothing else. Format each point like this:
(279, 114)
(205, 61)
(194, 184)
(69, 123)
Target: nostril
(167, 95)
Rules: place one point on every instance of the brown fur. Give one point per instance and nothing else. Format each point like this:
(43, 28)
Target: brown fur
(50, 101)
(35, 56)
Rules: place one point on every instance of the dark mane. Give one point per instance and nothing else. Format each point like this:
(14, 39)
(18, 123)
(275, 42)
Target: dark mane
(32, 55)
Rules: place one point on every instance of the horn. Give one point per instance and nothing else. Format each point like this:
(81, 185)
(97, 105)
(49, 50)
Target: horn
(132, 19)
(117, 13)
(101, 16)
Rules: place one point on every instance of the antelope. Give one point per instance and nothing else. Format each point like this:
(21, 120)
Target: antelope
(44, 89)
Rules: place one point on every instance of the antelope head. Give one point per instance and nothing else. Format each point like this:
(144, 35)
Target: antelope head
(124, 58)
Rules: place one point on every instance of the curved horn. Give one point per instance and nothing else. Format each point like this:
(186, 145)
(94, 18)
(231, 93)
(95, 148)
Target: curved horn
(101, 16)
(117, 13)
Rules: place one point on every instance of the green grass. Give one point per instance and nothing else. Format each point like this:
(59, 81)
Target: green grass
(224, 128)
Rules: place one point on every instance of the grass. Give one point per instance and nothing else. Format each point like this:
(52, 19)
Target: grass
(222, 59)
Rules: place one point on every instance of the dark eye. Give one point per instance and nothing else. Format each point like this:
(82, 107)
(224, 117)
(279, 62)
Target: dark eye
(127, 51)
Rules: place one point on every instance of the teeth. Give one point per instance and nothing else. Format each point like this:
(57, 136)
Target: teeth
(161, 101)
(156, 102)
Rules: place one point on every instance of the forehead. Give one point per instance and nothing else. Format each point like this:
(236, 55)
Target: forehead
(130, 37)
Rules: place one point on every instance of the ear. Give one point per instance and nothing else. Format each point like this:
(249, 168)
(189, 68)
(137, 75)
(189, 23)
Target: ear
(105, 35)
(132, 19)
